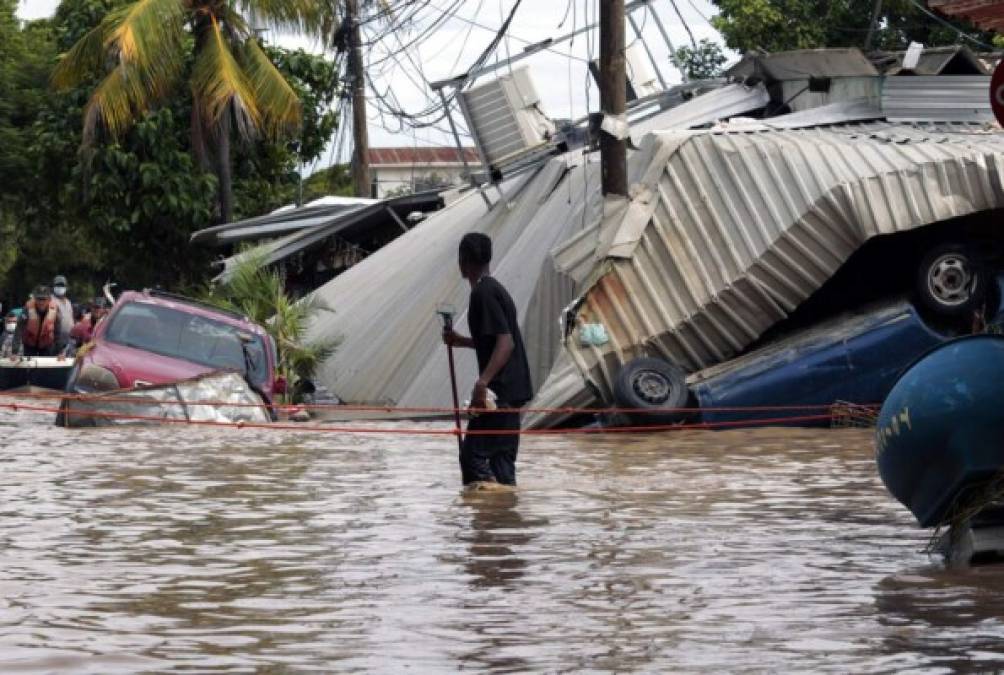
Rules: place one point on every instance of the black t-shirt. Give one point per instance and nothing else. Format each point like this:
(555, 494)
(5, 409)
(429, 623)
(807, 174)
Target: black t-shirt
(493, 313)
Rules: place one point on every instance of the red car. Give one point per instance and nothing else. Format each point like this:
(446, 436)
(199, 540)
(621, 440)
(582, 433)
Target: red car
(152, 337)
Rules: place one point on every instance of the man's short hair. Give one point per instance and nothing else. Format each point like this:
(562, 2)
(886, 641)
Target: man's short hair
(475, 249)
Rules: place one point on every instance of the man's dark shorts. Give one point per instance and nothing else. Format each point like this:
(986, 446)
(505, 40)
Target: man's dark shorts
(491, 457)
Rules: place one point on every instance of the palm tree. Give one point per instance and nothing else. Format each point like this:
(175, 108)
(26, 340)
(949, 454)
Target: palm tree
(257, 292)
(141, 53)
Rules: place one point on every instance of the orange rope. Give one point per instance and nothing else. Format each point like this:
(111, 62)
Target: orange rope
(421, 431)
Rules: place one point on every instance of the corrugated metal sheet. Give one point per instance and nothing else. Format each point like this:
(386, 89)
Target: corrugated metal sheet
(953, 60)
(987, 14)
(804, 63)
(745, 226)
(841, 112)
(720, 104)
(957, 98)
(384, 307)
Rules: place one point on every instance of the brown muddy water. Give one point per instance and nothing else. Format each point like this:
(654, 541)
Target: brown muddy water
(182, 550)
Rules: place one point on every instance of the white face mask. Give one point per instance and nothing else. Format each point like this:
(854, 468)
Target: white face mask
(11, 327)
(59, 291)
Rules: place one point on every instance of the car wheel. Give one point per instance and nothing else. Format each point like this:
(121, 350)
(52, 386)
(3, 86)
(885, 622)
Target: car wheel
(646, 384)
(949, 281)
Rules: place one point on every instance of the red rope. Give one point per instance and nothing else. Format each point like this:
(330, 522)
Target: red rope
(441, 410)
(423, 431)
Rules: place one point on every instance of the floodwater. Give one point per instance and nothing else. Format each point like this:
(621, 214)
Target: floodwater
(182, 550)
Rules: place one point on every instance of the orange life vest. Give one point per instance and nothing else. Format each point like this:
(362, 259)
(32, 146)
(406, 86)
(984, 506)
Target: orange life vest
(40, 333)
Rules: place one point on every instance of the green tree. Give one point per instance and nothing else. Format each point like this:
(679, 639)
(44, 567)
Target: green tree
(257, 292)
(779, 25)
(702, 62)
(144, 50)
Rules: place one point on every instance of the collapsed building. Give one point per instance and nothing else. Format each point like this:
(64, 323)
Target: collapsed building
(748, 195)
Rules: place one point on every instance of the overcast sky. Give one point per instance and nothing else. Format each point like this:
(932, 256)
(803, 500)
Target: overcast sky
(561, 78)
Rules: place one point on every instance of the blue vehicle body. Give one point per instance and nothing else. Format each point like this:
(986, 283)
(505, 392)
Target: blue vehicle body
(855, 358)
(940, 434)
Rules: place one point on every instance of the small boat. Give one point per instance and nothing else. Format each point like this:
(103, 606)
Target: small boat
(41, 372)
(940, 433)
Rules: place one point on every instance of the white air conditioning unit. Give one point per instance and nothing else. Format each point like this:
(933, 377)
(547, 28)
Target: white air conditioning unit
(640, 75)
(505, 118)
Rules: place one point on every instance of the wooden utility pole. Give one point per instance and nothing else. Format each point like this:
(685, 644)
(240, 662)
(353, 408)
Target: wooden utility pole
(361, 139)
(613, 96)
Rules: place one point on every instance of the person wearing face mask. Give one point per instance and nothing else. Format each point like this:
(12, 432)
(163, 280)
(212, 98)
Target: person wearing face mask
(10, 339)
(41, 332)
(61, 301)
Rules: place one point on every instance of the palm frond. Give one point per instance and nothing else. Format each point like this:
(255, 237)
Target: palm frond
(222, 85)
(148, 35)
(297, 16)
(84, 60)
(117, 101)
(278, 103)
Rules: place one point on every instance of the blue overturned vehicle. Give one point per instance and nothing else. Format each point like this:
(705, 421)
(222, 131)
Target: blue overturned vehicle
(850, 361)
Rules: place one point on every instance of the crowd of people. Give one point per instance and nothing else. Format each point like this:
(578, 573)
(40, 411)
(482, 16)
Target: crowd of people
(50, 324)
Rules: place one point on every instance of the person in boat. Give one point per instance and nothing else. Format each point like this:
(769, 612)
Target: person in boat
(41, 331)
(504, 371)
(10, 339)
(83, 330)
(60, 299)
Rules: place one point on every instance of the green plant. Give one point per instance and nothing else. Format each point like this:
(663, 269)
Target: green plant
(257, 292)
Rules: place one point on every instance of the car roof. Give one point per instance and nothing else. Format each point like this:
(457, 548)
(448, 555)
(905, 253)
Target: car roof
(190, 306)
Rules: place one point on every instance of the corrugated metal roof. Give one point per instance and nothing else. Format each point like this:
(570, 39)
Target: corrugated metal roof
(957, 98)
(744, 226)
(987, 14)
(719, 104)
(802, 64)
(952, 60)
(385, 305)
(841, 112)
(418, 156)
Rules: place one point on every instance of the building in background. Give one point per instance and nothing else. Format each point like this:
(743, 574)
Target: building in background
(398, 171)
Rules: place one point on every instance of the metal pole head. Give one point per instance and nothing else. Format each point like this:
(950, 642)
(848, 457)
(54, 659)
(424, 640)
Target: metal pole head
(446, 312)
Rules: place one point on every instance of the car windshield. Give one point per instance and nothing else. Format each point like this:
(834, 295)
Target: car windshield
(177, 334)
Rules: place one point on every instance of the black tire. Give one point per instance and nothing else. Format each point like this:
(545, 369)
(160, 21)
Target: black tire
(646, 384)
(950, 281)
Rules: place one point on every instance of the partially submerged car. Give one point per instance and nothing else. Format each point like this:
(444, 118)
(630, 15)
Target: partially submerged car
(154, 338)
(852, 359)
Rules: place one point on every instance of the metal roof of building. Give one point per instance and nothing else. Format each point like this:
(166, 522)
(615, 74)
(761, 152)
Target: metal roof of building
(987, 14)
(802, 64)
(708, 108)
(419, 156)
(951, 60)
(955, 98)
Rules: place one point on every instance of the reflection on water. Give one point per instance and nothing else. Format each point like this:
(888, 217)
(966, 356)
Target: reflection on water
(181, 549)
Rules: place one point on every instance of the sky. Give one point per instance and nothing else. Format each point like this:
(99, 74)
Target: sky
(400, 69)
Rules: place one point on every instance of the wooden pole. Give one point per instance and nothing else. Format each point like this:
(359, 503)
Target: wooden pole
(360, 134)
(613, 95)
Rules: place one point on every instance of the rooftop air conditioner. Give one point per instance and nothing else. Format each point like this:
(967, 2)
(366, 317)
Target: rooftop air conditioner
(505, 118)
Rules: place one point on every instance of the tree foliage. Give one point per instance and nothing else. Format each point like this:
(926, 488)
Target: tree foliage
(258, 292)
(123, 208)
(779, 25)
(702, 62)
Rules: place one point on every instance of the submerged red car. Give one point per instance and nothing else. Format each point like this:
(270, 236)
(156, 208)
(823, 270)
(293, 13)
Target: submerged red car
(152, 337)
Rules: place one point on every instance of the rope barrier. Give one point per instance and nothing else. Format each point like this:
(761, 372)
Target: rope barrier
(343, 407)
(14, 406)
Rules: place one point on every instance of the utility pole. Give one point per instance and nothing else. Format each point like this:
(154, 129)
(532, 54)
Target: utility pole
(361, 140)
(613, 97)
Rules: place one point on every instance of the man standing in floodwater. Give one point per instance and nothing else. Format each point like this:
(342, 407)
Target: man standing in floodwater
(495, 338)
